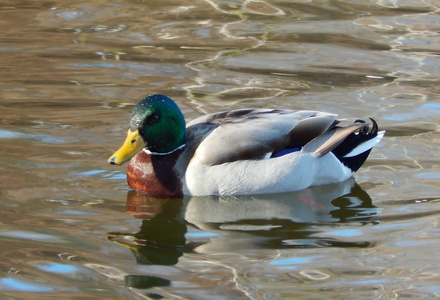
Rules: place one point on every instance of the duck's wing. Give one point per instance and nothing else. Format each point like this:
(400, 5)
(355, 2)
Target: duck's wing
(252, 134)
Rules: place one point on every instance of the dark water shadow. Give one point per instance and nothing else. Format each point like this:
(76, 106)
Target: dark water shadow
(240, 223)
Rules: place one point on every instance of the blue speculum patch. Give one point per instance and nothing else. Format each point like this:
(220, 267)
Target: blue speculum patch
(285, 151)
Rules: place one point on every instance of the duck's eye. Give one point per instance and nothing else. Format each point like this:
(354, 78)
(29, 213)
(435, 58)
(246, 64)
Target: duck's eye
(153, 118)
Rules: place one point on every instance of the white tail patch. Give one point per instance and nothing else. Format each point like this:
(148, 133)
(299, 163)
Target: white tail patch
(365, 146)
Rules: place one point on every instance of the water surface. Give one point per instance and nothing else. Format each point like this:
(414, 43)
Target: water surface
(71, 73)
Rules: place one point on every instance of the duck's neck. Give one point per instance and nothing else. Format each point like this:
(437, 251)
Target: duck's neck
(163, 153)
(167, 144)
(154, 173)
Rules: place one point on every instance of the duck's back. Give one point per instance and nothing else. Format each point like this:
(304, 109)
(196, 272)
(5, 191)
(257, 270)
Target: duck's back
(254, 134)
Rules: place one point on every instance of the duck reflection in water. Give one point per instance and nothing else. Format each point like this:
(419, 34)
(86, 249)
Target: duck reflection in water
(161, 238)
(235, 223)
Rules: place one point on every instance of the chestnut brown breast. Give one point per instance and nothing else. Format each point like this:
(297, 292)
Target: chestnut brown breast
(154, 174)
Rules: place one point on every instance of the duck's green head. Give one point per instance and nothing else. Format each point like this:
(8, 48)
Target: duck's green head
(156, 124)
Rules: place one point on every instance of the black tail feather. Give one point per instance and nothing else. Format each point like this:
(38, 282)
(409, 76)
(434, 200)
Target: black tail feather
(353, 140)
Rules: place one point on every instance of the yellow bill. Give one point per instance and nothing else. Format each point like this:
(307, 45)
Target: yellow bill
(132, 145)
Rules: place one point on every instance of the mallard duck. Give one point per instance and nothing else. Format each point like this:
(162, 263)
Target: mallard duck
(239, 152)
